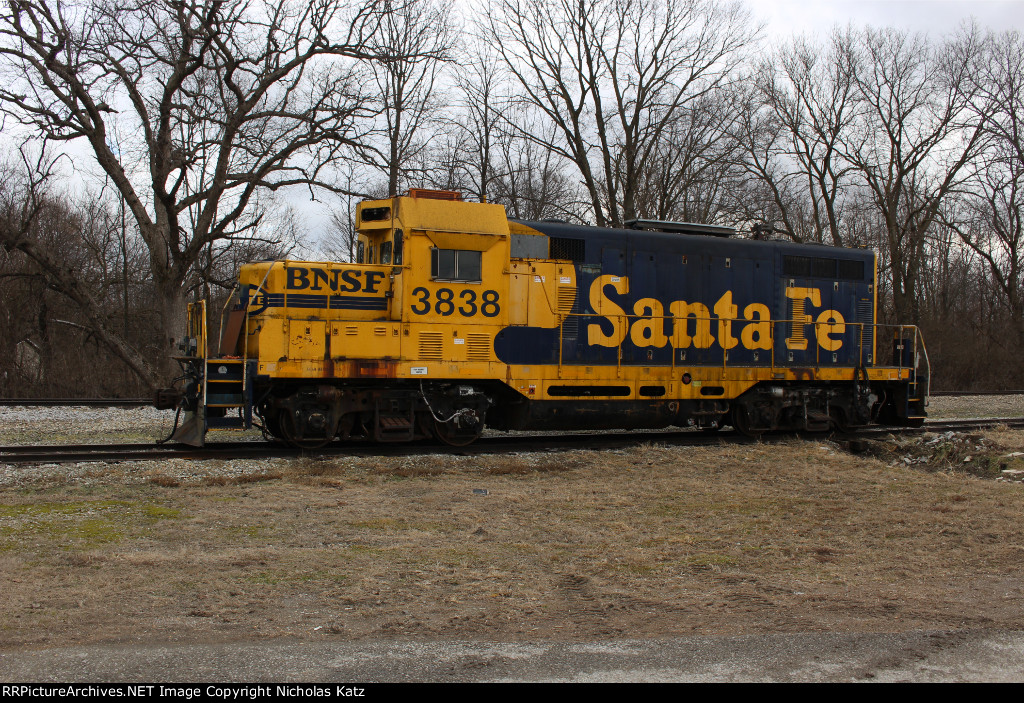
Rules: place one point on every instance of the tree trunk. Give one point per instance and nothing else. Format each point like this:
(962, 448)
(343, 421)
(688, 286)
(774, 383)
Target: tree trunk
(173, 310)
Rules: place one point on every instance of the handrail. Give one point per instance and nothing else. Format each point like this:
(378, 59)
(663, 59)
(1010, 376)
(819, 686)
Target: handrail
(224, 312)
(910, 332)
(928, 367)
(196, 325)
(196, 313)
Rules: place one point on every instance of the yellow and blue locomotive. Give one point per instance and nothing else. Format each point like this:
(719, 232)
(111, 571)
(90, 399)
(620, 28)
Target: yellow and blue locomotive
(455, 318)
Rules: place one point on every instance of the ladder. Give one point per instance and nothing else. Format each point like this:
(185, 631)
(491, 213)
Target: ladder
(911, 351)
(225, 387)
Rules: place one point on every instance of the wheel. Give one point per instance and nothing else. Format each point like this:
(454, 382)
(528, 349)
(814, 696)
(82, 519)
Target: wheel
(838, 421)
(741, 421)
(455, 436)
(291, 435)
(272, 426)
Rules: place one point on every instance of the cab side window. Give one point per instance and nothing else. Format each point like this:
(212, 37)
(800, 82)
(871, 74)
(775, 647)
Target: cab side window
(456, 265)
(398, 247)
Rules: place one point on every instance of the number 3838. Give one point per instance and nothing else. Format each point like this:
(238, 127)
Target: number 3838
(446, 301)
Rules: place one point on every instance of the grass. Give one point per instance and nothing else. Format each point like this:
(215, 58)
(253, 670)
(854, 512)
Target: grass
(78, 525)
(652, 541)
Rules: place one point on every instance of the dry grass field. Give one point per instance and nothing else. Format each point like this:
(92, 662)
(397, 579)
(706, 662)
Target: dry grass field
(654, 541)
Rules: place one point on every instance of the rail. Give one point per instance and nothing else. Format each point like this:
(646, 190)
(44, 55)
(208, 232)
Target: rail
(534, 441)
(75, 402)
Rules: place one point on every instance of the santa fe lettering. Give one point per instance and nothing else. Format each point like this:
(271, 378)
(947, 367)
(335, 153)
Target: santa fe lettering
(694, 324)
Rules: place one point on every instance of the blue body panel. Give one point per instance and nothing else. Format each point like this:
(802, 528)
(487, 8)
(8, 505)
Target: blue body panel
(677, 267)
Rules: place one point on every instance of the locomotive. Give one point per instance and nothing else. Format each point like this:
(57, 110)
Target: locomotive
(454, 318)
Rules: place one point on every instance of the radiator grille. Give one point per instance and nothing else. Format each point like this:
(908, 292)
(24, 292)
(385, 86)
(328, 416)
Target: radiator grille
(566, 248)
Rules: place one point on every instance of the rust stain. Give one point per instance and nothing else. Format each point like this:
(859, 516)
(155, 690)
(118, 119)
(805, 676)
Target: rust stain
(376, 368)
(328, 365)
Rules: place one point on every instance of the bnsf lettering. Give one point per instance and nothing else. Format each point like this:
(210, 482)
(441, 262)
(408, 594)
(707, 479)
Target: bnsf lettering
(695, 325)
(338, 280)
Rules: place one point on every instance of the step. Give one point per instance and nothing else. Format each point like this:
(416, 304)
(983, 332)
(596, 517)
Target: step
(214, 375)
(225, 423)
(224, 400)
(395, 422)
(394, 428)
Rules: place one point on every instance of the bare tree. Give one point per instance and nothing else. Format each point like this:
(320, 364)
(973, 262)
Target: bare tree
(340, 242)
(769, 194)
(64, 249)
(483, 127)
(913, 141)
(692, 174)
(989, 217)
(413, 41)
(532, 184)
(225, 97)
(807, 93)
(611, 75)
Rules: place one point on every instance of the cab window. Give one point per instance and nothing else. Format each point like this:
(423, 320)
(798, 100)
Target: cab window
(385, 253)
(456, 265)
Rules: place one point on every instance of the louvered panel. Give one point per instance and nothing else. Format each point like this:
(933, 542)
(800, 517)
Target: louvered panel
(566, 299)
(864, 312)
(566, 305)
(478, 347)
(431, 345)
(798, 338)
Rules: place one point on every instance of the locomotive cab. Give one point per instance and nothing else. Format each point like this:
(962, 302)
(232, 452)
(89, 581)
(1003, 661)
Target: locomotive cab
(378, 241)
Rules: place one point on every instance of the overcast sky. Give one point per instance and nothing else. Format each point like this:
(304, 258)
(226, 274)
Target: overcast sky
(784, 17)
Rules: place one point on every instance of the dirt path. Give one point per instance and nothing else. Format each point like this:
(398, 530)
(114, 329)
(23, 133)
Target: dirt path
(907, 656)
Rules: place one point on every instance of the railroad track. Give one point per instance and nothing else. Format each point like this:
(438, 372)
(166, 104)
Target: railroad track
(75, 402)
(116, 453)
(136, 402)
(967, 393)
(19, 454)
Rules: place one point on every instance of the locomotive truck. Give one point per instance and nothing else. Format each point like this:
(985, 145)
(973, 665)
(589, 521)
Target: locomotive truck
(454, 318)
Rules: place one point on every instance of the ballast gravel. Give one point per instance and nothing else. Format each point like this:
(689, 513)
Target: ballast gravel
(77, 424)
